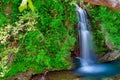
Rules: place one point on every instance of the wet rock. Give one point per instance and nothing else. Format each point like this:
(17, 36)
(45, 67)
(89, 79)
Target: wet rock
(115, 4)
(109, 45)
(114, 55)
(111, 56)
(115, 78)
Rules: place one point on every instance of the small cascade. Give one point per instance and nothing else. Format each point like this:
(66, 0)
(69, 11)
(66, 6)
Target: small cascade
(88, 65)
(85, 38)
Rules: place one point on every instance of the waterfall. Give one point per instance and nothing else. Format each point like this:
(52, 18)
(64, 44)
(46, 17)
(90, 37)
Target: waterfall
(87, 60)
(85, 37)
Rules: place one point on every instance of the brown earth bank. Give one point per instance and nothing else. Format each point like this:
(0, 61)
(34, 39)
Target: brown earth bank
(115, 4)
(55, 75)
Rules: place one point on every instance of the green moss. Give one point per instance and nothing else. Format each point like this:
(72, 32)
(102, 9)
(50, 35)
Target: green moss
(98, 38)
(45, 37)
(108, 21)
(3, 20)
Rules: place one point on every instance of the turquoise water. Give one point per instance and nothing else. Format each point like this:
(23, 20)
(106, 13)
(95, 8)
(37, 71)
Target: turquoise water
(88, 65)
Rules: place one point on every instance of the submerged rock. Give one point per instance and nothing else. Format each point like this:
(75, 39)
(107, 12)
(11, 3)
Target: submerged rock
(115, 4)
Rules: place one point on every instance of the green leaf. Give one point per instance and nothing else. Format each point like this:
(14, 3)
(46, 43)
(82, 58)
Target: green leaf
(30, 5)
(24, 5)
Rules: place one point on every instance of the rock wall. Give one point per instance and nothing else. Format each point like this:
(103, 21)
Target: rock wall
(115, 4)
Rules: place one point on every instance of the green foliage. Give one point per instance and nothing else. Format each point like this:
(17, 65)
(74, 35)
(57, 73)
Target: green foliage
(109, 20)
(11, 5)
(45, 37)
(4, 2)
(11, 34)
(3, 62)
(24, 3)
(3, 20)
(98, 38)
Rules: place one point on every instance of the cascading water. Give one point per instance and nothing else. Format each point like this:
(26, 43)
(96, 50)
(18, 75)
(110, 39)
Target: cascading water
(85, 38)
(89, 65)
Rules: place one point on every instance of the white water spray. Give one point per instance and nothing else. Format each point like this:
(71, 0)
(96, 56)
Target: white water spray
(85, 37)
(88, 64)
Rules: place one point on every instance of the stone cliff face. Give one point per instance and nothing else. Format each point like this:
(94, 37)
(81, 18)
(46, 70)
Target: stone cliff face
(115, 4)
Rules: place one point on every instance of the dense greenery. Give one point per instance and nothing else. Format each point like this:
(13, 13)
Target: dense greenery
(38, 39)
(106, 26)
(109, 22)
(39, 35)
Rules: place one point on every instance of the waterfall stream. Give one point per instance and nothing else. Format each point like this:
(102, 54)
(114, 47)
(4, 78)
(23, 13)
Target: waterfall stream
(85, 37)
(89, 65)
